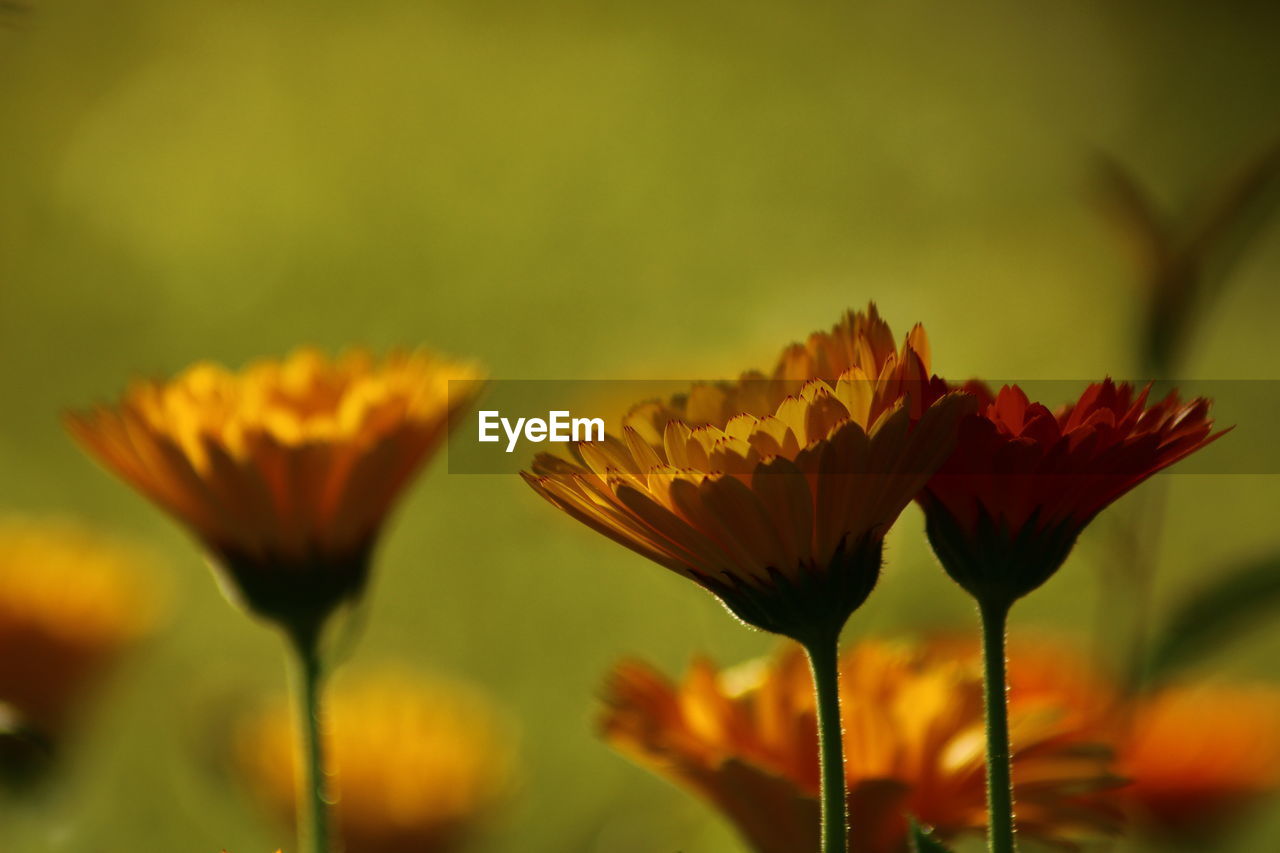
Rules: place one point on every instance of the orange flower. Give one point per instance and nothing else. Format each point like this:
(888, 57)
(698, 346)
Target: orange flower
(286, 470)
(859, 349)
(781, 514)
(416, 764)
(1200, 755)
(1193, 756)
(745, 740)
(70, 602)
(1004, 512)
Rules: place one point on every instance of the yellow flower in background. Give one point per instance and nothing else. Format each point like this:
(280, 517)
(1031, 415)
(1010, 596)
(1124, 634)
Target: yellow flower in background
(780, 512)
(286, 470)
(1199, 756)
(71, 600)
(417, 765)
(744, 739)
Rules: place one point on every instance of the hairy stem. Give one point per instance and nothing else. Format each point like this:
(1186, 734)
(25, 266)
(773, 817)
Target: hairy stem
(313, 780)
(824, 659)
(1000, 832)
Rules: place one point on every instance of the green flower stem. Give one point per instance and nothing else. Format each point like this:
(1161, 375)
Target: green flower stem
(1000, 833)
(824, 659)
(313, 782)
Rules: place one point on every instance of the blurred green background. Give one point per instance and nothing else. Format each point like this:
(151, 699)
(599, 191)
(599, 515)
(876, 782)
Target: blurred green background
(580, 190)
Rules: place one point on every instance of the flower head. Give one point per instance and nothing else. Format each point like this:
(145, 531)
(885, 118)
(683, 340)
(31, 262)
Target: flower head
(858, 350)
(416, 764)
(1005, 510)
(781, 514)
(745, 740)
(70, 601)
(286, 470)
(1200, 755)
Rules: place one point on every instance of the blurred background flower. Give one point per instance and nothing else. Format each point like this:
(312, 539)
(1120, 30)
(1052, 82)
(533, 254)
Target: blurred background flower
(71, 601)
(1195, 757)
(1200, 757)
(419, 765)
(743, 739)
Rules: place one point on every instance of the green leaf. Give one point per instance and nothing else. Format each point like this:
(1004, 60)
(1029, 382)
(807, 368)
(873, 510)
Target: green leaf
(924, 841)
(1231, 220)
(1217, 613)
(1185, 262)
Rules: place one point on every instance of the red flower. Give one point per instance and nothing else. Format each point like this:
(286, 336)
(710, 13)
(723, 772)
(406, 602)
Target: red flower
(1004, 511)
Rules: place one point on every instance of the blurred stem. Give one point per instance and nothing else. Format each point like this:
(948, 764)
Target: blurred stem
(313, 781)
(999, 763)
(1126, 585)
(824, 659)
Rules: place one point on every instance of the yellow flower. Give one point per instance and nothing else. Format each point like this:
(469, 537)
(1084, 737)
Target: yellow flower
(859, 349)
(416, 764)
(780, 512)
(745, 739)
(70, 602)
(286, 470)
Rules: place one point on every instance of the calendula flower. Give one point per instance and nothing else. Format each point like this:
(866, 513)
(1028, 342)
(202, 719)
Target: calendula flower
(1199, 756)
(417, 764)
(1006, 509)
(1004, 512)
(776, 502)
(781, 514)
(286, 470)
(71, 600)
(744, 740)
(859, 349)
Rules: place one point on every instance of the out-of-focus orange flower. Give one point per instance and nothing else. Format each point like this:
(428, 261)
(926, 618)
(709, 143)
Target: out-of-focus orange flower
(1192, 756)
(745, 740)
(1198, 756)
(70, 601)
(779, 512)
(1004, 512)
(416, 764)
(286, 470)
(1046, 674)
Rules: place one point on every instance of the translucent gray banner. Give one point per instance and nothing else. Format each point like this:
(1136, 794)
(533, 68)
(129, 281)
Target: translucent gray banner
(513, 420)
